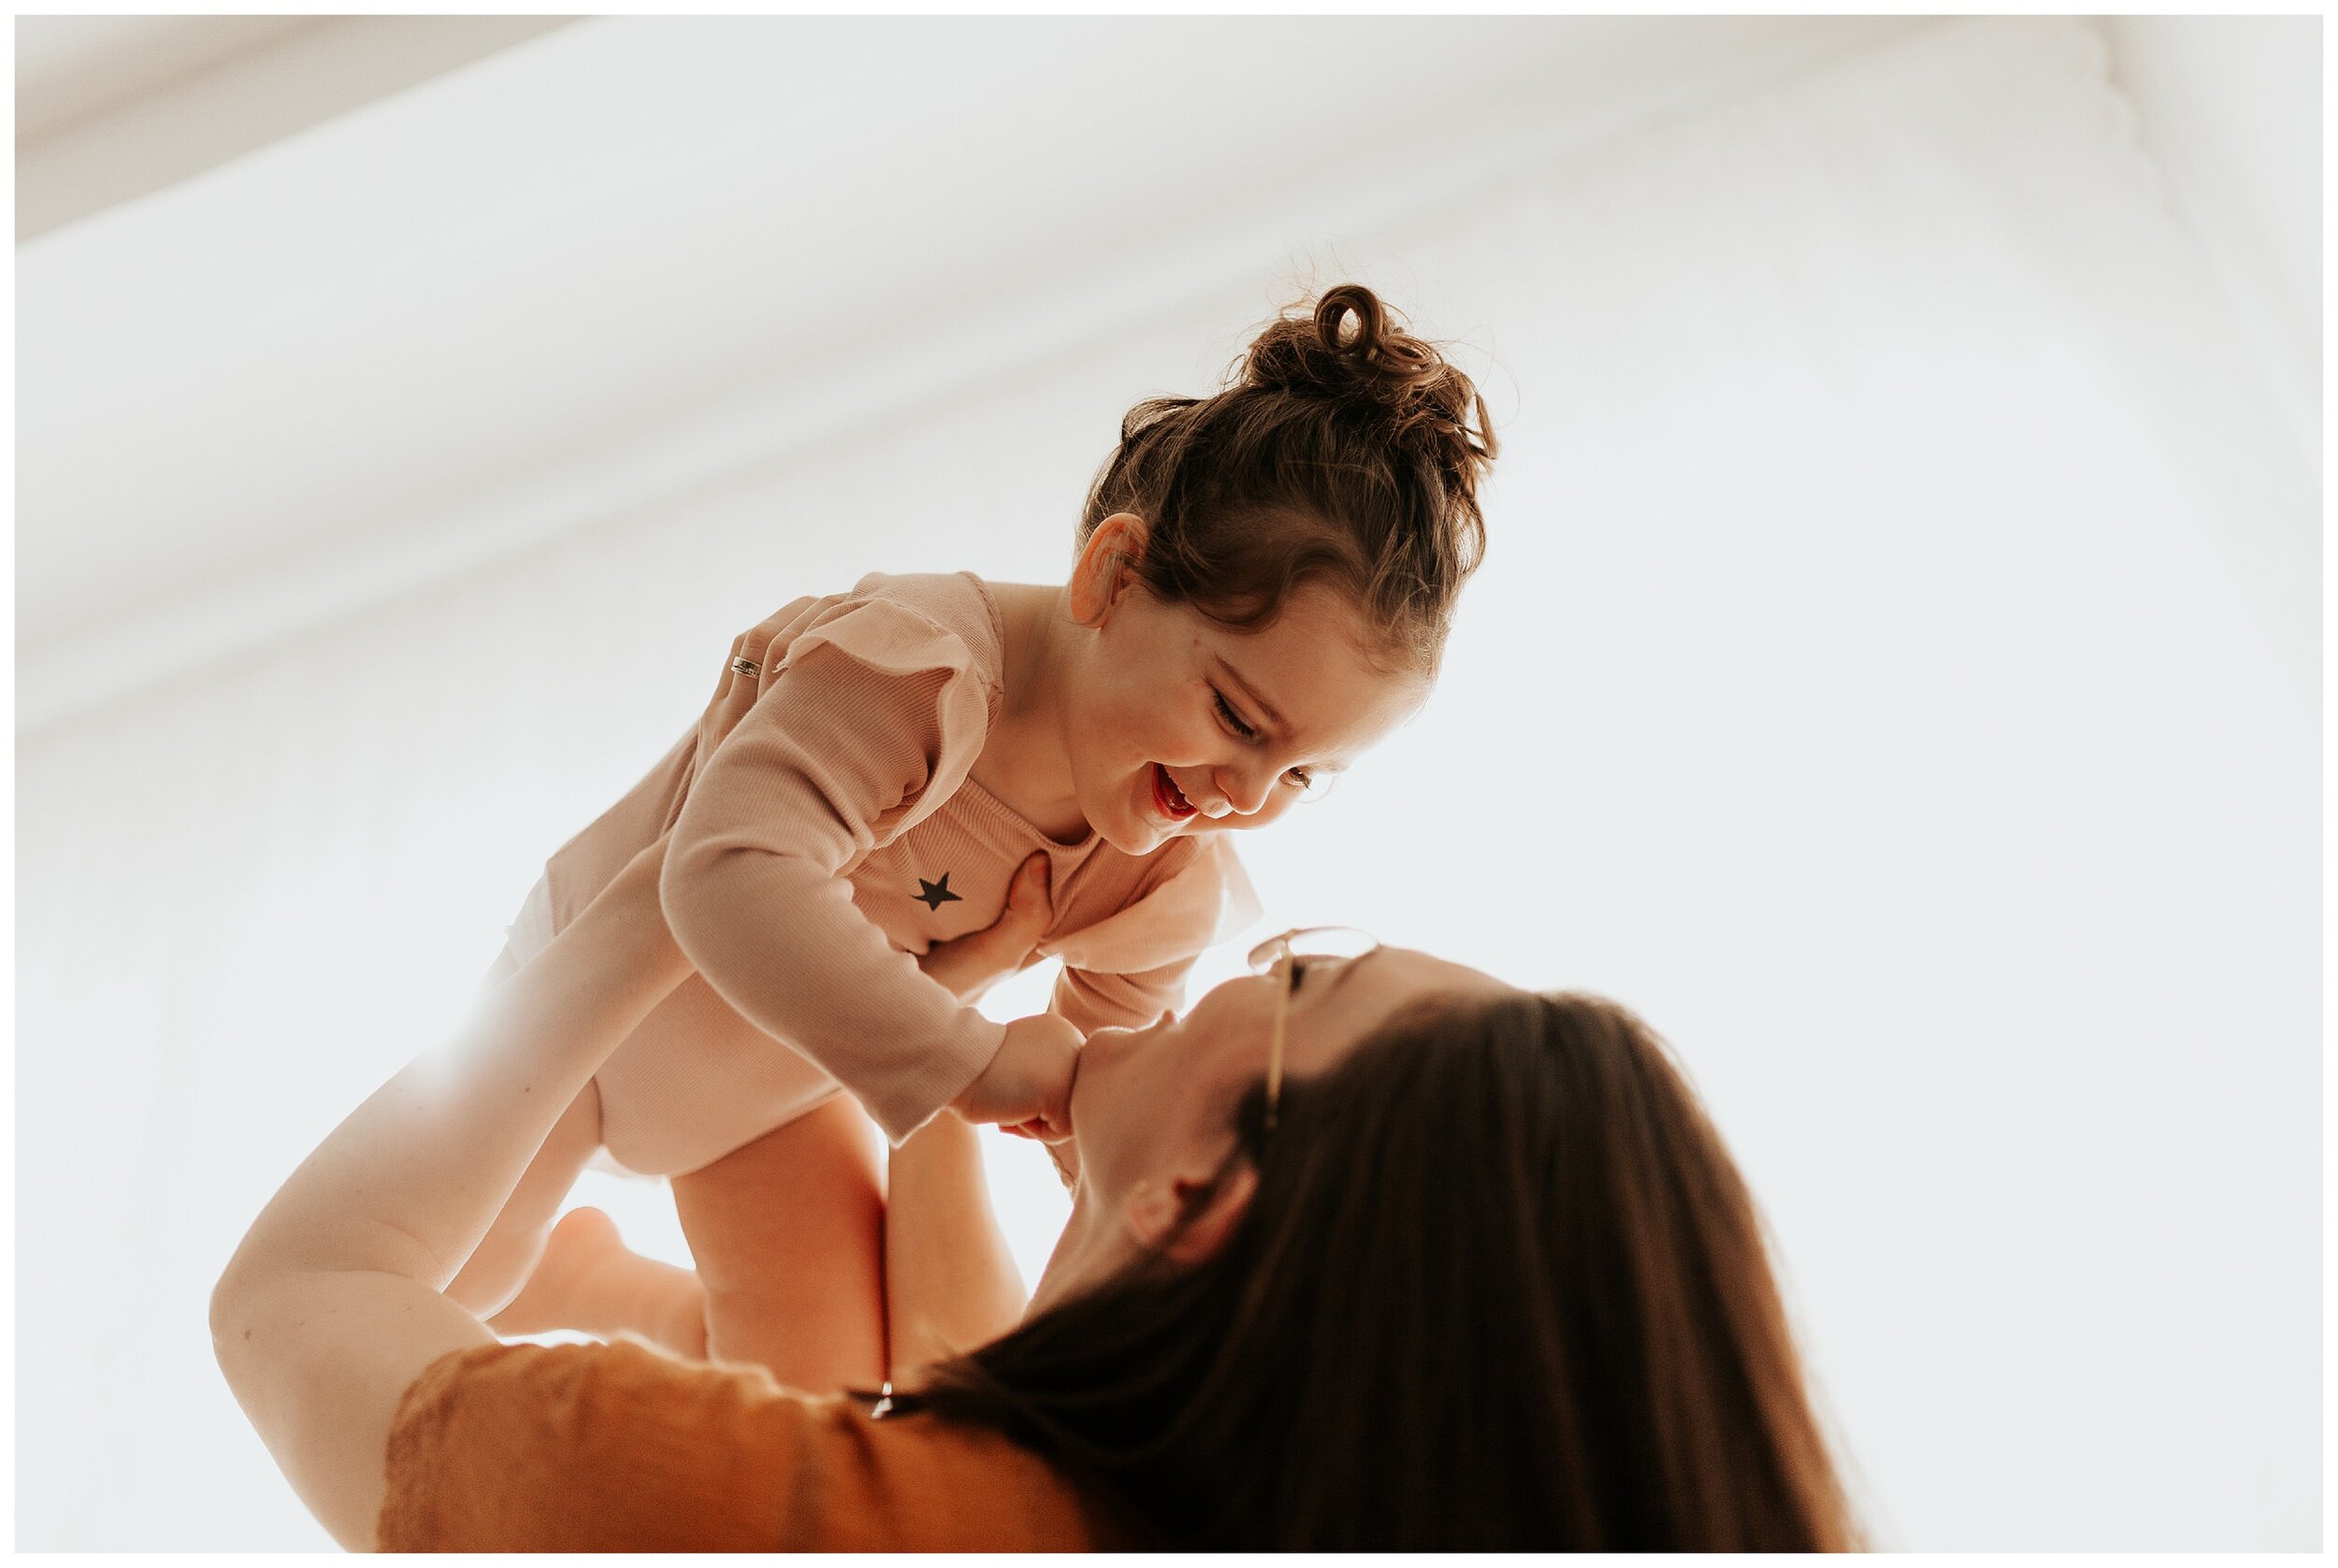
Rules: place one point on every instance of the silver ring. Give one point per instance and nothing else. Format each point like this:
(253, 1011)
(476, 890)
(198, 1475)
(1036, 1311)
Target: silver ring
(747, 666)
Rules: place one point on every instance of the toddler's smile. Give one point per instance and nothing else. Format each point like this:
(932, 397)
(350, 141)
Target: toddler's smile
(1171, 800)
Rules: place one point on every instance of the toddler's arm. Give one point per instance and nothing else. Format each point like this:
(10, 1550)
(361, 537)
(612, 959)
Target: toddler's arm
(876, 708)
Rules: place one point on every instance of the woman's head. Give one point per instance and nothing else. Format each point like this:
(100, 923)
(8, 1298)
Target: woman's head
(1270, 573)
(1491, 1280)
(1154, 1110)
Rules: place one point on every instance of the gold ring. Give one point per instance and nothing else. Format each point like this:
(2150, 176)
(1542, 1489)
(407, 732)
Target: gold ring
(747, 666)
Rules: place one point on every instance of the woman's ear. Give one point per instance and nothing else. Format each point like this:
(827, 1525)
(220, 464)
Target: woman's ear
(1151, 1213)
(1106, 567)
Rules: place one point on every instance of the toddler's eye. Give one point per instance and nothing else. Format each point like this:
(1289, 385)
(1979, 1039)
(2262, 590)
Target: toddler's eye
(1311, 785)
(1233, 720)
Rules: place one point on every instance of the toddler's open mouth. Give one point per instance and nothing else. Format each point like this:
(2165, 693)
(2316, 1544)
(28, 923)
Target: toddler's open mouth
(1168, 797)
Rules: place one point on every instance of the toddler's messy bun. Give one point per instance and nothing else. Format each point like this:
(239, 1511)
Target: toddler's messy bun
(1428, 403)
(1342, 448)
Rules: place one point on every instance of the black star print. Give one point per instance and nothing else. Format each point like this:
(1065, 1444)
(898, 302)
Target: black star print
(936, 894)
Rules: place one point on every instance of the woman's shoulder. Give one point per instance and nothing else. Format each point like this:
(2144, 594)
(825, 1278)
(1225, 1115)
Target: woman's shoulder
(620, 1447)
(923, 1483)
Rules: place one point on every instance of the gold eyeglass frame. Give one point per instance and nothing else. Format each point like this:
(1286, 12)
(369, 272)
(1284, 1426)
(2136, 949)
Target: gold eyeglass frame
(1279, 956)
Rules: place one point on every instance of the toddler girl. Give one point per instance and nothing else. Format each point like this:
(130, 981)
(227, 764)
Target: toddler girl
(1262, 586)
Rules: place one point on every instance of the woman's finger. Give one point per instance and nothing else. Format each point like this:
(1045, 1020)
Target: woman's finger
(1066, 1158)
(745, 669)
(1027, 895)
(969, 964)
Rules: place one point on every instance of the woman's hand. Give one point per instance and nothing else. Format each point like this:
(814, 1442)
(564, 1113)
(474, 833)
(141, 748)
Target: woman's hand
(746, 669)
(971, 964)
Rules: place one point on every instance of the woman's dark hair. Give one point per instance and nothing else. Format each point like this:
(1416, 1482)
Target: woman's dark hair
(1498, 1286)
(1341, 448)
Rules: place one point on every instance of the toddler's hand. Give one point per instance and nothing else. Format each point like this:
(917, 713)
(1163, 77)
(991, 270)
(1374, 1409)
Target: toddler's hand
(1028, 1082)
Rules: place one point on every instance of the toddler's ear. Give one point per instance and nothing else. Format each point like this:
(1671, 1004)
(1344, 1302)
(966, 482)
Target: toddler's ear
(1106, 566)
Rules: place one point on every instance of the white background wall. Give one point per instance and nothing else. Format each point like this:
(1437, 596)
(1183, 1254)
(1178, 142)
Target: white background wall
(1895, 674)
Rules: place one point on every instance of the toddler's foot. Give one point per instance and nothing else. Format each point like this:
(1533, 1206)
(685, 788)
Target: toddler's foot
(581, 1242)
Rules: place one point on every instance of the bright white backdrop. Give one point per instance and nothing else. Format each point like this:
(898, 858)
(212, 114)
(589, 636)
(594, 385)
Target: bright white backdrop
(1895, 674)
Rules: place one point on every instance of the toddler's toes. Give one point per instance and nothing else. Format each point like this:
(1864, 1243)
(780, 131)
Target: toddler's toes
(586, 1232)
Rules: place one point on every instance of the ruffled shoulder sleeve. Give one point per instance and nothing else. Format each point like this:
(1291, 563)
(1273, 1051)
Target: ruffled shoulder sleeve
(886, 668)
(1197, 900)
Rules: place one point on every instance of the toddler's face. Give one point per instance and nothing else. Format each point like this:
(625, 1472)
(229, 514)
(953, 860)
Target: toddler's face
(1180, 725)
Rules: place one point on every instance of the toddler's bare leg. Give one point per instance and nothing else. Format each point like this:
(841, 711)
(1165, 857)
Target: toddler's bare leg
(788, 1235)
(507, 1254)
(951, 1283)
(589, 1281)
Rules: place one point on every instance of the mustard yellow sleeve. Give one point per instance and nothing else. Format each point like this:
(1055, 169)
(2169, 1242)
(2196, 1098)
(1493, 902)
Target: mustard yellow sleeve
(621, 1449)
(591, 1448)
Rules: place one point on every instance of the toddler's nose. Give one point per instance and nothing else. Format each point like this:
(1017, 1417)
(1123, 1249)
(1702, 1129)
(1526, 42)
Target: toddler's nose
(1245, 790)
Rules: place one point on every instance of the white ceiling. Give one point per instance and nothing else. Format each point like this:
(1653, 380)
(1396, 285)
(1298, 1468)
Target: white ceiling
(630, 254)
(69, 68)
(2232, 109)
(111, 108)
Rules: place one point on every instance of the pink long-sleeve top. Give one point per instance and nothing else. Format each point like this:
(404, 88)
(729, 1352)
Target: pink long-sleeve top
(829, 838)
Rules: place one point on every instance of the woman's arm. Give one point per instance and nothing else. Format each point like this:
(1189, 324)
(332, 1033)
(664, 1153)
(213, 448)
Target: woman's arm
(332, 1306)
(951, 1283)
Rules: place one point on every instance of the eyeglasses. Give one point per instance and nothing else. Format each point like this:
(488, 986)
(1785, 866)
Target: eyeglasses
(1282, 956)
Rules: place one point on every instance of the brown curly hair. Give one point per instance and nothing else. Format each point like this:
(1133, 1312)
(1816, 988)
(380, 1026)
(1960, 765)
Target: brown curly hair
(1343, 449)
